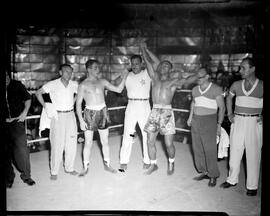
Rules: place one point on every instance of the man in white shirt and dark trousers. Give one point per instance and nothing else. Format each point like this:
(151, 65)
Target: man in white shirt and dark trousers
(138, 85)
(63, 126)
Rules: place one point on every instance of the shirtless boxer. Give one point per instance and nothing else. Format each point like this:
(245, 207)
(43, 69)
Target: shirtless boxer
(95, 115)
(161, 119)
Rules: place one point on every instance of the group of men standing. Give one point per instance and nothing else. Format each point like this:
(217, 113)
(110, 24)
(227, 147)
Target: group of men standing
(206, 115)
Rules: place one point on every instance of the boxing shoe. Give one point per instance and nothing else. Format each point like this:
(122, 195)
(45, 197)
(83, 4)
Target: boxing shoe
(108, 168)
(53, 177)
(170, 170)
(123, 167)
(72, 172)
(146, 166)
(152, 168)
(84, 172)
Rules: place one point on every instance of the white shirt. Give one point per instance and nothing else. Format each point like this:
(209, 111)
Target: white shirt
(138, 85)
(62, 97)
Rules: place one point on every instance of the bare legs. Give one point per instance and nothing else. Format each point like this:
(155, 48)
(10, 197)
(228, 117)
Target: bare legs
(105, 150)
(151, 142)
(88, 136)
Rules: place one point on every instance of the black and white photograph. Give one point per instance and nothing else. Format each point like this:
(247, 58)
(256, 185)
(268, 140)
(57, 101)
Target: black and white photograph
(135, 108)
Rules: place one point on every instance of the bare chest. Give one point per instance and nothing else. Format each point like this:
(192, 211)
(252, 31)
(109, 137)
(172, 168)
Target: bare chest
(94, 88)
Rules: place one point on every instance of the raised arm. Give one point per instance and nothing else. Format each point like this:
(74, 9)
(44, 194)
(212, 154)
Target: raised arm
(149, 65)
(115, 88)
(153, 57)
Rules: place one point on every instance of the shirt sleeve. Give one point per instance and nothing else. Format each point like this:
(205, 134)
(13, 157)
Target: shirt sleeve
(75, 85)
(219, 91)
(193, 92)
(23, 92)
(232, 89)
(47, 87)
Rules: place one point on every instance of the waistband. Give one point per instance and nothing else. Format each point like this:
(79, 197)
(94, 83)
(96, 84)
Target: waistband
(95, 107)
(161, 106)
(247, 115)
(64, 111)
(138, 99)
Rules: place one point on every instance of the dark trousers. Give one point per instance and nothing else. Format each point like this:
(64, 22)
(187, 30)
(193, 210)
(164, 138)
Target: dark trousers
(16, 151)
(204, 135)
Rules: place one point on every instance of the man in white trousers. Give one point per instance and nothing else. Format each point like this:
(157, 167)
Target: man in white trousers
(138, 85)
(63, 126)
(246, 127)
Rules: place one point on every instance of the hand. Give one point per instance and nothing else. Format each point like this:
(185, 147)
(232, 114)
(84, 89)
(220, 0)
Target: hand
(141, 42)
(181, 83)
(260, 119)
(22, 117)
(231, 118)
(124, 74)
(189, 121)
(142, 45)
(8, 120)
(83, 125)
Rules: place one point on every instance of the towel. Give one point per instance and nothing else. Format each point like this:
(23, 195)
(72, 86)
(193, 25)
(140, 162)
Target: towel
(46, 115)
(223, 143)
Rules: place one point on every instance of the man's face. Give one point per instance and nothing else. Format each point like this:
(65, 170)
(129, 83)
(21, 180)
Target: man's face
(66, 73)
(246, 70)
(202, 76)
(94, 70)
(136, 65)
(165, 68)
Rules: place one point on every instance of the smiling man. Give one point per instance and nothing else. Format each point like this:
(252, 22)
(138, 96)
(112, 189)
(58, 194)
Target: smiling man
(246, 126)
(63, 126)
(206, 115)
(161, 119)
(95, 117)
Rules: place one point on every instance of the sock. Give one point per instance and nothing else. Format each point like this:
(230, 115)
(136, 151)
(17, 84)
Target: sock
(153, 161)
(107, 162)
(85, 164)
(171, 160)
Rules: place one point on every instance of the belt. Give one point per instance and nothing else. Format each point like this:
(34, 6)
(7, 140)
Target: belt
(65, 111)
(139, 99)
(248, 115)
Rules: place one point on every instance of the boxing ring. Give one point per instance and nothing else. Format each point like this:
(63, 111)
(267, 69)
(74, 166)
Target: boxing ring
(40, 139)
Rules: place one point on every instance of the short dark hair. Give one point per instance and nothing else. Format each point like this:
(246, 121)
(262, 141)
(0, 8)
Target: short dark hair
(90, 62)
(162, 62)
(207, 70)
(136, 57)
(250, 60)
(167, 62)
(65, 65)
